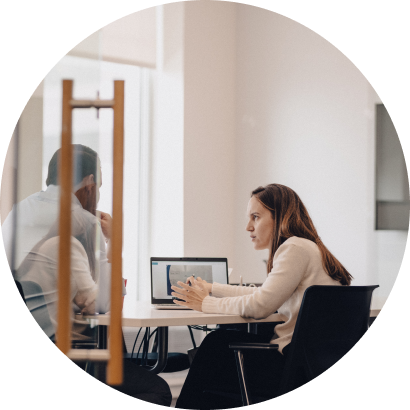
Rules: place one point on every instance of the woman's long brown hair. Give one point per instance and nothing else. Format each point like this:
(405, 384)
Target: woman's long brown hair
(292, 219)
(87, 196)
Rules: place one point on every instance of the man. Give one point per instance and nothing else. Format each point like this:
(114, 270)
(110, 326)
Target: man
(39, 212)
(37, 253)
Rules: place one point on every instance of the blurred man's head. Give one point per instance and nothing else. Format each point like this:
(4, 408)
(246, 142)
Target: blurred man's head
(86, 175)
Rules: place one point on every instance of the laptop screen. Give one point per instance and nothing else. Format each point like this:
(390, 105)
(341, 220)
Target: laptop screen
(166, 272)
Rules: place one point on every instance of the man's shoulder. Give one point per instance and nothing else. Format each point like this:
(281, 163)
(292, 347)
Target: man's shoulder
(32, 205)
(31, 198)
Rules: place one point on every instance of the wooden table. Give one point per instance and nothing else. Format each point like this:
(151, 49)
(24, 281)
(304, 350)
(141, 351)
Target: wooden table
(146, 316)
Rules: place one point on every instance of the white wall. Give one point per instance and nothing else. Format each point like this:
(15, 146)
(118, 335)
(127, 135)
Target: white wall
(129, 40)
(167, 223)
(209, 132)
(30, 153)
(264, 100)
(245, 97)
(193, 149)
(300, 118)
(30, 148)
(305, 118)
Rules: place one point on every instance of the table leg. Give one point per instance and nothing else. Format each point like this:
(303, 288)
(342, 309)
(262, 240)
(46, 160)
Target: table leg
(162, 347)
(102, 336)
(94, 368)
(162, 351)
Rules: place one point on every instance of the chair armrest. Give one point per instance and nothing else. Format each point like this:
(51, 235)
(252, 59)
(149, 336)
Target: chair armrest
(253, 346)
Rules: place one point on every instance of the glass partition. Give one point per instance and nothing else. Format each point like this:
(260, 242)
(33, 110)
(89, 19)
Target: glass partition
(30, 229)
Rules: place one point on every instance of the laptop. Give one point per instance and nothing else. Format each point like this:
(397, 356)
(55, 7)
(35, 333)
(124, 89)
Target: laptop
(166, 272)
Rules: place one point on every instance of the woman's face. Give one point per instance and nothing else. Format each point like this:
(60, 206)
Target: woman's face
(260, 224)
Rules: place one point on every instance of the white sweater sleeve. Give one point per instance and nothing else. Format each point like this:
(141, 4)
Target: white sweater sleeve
(289, 266)
(104, 278)
(86, 288)
(222, 291)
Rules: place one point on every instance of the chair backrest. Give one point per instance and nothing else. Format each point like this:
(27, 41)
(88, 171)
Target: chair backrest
(34, 297)
(20, 289)
(331, 321)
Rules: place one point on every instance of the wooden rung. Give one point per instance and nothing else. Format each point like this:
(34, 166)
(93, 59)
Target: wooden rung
(91, 103)
(89, 355)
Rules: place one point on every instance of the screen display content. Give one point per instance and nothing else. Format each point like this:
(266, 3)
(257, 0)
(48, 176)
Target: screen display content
(167, 273)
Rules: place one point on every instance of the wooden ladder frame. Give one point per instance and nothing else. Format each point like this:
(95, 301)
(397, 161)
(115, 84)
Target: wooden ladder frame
(63, 334)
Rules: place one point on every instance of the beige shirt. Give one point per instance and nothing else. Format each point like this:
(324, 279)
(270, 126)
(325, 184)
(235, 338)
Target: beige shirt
(36, 214)
(297, 264)
(43, 270)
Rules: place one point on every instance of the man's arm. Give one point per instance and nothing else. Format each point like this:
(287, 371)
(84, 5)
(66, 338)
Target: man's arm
(106, 224)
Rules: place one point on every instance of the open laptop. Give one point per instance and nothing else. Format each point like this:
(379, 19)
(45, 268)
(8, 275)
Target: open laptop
(166, 272)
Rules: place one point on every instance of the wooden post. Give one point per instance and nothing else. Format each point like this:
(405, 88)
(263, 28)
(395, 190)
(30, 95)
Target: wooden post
(114, 355)
(65, 173)
(115, 367)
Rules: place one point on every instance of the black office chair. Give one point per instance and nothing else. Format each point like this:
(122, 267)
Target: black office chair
(331, 321)
(33, 296)
(20, 289)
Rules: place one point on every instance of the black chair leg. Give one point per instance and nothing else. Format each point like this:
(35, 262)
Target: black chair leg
(155, 344)
(246, 398)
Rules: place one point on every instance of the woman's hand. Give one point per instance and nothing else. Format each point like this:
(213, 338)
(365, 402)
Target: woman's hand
(109, 252)
(208, 286)
(191, 295)
(85, 300)
(89, 310)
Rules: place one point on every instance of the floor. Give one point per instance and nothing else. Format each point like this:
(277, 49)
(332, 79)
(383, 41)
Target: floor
(179, 341)
(175, 382)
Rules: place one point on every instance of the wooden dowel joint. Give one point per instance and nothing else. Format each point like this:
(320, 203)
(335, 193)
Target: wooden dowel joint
(92, 103)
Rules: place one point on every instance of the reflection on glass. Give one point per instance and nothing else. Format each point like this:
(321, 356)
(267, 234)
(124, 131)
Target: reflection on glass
(37, 254)
(34, 238)
(30, 230)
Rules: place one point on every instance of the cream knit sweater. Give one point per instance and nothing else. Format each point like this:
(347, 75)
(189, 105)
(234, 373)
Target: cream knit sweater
(297, 264)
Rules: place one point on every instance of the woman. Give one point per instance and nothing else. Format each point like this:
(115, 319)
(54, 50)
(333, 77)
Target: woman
(278, 221)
